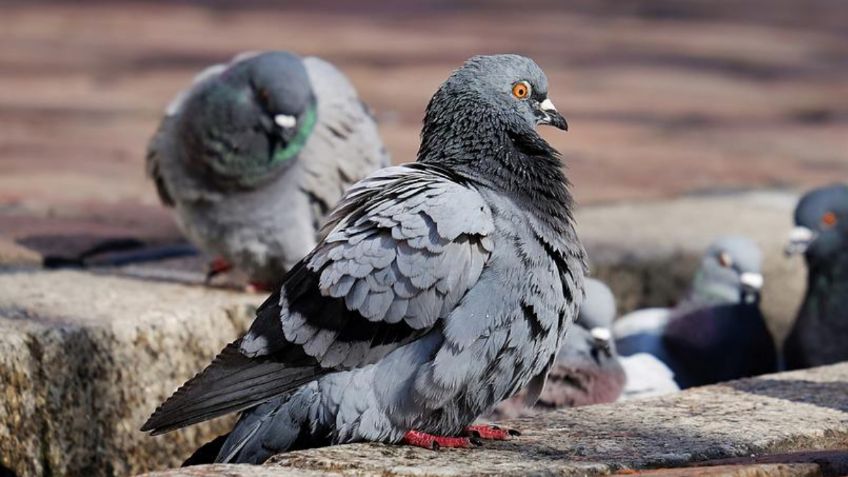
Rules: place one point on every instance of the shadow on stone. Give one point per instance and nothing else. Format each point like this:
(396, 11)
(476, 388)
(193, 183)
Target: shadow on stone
(7, 472)
(797, 390)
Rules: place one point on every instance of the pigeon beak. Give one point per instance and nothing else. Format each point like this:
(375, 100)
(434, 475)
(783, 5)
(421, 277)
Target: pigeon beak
(800, 239)
(602, 337)
(751, 283)
(751, 280)
(549, 115)
(285, 121)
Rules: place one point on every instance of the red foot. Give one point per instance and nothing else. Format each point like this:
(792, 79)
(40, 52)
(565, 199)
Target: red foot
(259, 287)
(217, 266)
(429, 441)
(491, 432)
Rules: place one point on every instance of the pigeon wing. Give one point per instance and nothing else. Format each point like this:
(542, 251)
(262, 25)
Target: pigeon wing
(159, 147)
(402, 249)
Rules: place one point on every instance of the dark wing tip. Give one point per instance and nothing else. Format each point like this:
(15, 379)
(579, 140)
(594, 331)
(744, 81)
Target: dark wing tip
(232, 383)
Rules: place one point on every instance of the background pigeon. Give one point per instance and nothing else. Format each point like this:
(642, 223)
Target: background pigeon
(717, 333)
(439, 289)
(821, 234)
(256, 152)
(586, 370)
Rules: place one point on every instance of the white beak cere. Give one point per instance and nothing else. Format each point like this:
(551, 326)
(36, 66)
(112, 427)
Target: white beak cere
(752, 280)
(547, 105)
(601, 334)
(799, 239)
(285, 121)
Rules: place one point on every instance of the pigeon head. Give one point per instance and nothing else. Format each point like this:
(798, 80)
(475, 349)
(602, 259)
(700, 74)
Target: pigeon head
(730, 272)
(598, 307)
(487, 101)
(821, 224)
(282, 90)
(242, 124)
(511, 89)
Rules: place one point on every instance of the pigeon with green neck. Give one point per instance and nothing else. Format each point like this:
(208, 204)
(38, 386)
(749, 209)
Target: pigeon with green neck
(253, 156)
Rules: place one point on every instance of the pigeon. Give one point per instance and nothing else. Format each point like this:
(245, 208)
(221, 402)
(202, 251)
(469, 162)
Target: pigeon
(438, 289)
(821, 234)
(254, 155)
(717, 333)
(586, 370)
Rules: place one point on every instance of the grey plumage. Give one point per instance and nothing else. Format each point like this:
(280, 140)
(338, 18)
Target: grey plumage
(717, 332)
(818, 336)
(438, 288)
(256, 152)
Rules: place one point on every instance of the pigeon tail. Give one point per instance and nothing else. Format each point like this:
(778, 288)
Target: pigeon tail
(233, 382)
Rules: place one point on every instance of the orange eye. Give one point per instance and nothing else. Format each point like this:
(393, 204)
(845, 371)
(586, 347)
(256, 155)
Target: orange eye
(829, 219)
(521, 90)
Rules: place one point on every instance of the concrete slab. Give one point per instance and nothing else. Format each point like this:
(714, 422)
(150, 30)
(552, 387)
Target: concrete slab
(84, 359)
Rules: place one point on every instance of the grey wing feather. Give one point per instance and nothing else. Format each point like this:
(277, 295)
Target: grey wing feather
(235, 381)
(386, 270)
(336, 307)
(154, 155)
(345, 145)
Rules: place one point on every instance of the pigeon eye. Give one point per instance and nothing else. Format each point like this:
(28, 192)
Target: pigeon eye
(725, 260)
(263, 95)
(828, 220)
(521, 90)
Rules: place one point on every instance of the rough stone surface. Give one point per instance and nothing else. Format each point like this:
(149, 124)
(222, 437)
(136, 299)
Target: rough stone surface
(761, 470)
(649, 251)
(776, 413)
(85, 358)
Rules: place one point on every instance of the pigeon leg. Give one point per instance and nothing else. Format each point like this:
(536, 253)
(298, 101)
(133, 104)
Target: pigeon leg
(259, 287)
(217, 266)
(491, 432)
(429, 441)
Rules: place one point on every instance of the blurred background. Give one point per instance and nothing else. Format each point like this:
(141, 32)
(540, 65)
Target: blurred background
(664, 98)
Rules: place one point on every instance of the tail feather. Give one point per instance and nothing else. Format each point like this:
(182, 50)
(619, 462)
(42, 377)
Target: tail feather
(233, 382)
(206, 453)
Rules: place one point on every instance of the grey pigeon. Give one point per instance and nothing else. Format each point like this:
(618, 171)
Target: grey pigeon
(253, 156)
(644, 375)
(820, 331)
(586, 370)
(718, 332)
(439, 289)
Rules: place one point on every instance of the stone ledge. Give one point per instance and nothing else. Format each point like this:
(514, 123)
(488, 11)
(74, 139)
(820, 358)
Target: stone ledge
(85, 358)
(802, 410)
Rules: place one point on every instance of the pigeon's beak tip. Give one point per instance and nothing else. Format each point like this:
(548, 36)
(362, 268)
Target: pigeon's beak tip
(551, 116)
(799, 241)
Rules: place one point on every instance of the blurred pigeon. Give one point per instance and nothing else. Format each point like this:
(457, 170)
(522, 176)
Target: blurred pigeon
(717, 333)
(821, 234)
(256, 152)
(439, 289)
(646, 377)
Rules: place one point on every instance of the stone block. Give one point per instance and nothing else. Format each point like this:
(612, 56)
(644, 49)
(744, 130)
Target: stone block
(85, 358)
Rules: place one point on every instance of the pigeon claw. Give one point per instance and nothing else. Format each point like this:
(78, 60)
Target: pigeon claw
(258, 287)
(491, 432)
(216, 267)
(429, 441)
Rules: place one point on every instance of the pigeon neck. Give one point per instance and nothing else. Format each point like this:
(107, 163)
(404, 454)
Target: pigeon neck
(826, 274)
(518, 164)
